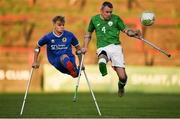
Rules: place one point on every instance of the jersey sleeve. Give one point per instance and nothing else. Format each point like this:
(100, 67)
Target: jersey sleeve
(91, 26)
(121, 24)
(42, 41)
(75, 41)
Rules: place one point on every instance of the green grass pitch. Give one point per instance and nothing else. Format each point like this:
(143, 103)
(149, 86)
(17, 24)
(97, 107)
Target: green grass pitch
(60, 105)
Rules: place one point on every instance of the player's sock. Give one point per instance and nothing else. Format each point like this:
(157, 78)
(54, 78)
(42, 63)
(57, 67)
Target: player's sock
(71, 69)
(122, 83)
(69, 65)
(102, 68)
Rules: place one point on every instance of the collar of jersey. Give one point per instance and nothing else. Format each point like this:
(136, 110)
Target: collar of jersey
(101, 17)
(57, 35)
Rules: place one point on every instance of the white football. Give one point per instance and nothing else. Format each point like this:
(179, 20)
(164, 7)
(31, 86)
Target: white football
(147, 18)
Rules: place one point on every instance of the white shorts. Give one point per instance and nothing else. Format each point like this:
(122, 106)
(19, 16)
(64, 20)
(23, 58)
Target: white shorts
(114, 54)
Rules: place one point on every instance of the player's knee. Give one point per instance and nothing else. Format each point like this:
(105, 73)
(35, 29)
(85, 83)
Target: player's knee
(103, 57)
(103, 54)
(64, 59)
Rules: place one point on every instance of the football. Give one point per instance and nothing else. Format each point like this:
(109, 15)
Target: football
(147, 18)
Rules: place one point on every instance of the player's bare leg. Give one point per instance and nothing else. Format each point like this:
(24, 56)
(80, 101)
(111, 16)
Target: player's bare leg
(122, 80)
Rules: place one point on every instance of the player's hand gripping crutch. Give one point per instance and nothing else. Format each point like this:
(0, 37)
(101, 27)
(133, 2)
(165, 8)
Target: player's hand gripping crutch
(27, 88)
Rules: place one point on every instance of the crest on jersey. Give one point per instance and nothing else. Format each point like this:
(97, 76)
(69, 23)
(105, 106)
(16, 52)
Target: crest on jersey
(52, 41)
(110, 23)
(64, 39)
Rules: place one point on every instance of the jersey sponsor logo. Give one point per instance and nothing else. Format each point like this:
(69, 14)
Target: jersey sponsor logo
(64, 39)
(110, 23)
(52, 41)
(58, 47)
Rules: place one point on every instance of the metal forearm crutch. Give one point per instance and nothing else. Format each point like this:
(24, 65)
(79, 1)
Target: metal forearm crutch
(77, 85)
(27, 88)
(155, 47)
(97, 107)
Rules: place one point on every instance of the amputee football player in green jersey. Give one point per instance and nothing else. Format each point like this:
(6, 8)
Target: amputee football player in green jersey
(107, 31)
(107, 27)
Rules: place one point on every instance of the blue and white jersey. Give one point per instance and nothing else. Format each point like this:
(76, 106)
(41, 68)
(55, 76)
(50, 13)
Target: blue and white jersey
(58, 45)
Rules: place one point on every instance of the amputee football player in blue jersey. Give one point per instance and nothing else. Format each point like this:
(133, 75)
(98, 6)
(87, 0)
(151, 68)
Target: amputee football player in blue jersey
(59, 44)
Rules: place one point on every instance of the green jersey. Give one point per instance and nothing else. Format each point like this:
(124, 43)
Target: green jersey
(107, 31)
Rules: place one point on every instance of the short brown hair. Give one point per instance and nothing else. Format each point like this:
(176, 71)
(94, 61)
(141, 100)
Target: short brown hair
(58, 18)
(106, 3)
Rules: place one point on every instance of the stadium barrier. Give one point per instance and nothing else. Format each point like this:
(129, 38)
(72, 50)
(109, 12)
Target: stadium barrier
(15, 70)
(140, 79)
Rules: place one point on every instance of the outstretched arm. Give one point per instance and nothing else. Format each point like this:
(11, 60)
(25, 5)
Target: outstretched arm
(36, 54)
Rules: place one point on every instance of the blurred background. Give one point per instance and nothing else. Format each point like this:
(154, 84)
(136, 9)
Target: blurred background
(24, 22)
